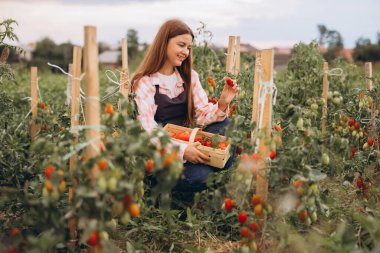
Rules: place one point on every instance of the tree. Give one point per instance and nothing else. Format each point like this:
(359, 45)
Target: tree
(332, 40)
(102, 46)
(363, 42)
(329, 38)
(133, 43)
(48, 51)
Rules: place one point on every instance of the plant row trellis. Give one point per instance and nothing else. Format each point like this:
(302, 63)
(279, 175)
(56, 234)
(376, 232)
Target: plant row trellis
(263, 95)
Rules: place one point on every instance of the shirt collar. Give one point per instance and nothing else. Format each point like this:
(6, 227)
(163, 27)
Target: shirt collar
(155, 80)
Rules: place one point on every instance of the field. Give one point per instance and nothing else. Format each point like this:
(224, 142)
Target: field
(324, 193)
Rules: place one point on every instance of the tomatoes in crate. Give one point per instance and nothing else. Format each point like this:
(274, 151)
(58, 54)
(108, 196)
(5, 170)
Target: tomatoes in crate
(183, 136)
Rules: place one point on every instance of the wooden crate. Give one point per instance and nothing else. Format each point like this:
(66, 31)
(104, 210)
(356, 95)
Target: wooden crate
(218, 156)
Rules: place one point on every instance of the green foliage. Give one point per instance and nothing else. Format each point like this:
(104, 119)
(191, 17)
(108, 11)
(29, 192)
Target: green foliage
(7, 33)
(365, 53)
(320, 163)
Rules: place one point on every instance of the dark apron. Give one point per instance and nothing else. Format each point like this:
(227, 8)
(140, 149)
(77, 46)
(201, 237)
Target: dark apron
(171, 110)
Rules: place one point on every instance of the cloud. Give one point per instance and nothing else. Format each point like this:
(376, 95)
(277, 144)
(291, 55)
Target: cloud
(254, 20)
(63, 19)
(108, 2)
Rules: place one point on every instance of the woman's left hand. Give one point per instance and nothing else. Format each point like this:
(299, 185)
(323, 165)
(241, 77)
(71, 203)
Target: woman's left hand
(228, 93)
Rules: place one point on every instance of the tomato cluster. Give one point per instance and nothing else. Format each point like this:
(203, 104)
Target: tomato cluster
(204, 140)
(54, 182)
(212, 100)
(306, 207)
(248, 226)
(363, 186)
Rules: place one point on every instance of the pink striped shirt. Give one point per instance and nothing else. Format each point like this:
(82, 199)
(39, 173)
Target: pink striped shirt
(205, 113)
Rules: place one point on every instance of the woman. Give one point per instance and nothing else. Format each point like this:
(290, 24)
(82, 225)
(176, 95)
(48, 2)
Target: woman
(169, 91)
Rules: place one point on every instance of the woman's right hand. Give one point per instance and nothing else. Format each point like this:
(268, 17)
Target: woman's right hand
(193, 155)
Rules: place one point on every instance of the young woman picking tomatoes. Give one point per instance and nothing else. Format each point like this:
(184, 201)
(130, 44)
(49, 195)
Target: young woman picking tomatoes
(168, 90)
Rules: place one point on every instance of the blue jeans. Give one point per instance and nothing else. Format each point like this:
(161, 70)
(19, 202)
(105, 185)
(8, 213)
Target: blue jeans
(196, 174)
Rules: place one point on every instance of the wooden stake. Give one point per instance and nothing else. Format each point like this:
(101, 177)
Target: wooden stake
(34, 101)
(124, 76)
(75, 100)
(92, 104)
(69, 86)
(237, 62)
(325, 90)
(256, 90)
(266, 57)
(368, 75)
(369, 87)
(231, 44)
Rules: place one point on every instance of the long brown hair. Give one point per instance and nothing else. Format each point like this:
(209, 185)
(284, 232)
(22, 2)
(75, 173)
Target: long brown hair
(156, 57)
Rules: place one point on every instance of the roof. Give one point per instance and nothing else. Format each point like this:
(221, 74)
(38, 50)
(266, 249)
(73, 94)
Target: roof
(110, 56)
(247, 48)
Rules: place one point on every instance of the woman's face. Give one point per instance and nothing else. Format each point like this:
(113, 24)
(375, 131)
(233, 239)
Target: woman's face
(178, 49)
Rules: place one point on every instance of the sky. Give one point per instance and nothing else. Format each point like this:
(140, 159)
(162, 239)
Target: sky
(262, 23)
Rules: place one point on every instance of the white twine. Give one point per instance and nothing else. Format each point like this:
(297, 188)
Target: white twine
(27, 115)
(74, 129)
(265, 88)
(233, 54)
(82, 94)
(334, 72)
(81, 146)
(364, 121)
(38, 88)
(96, 98)
(68, 91)
(117, 82)
(64, 72)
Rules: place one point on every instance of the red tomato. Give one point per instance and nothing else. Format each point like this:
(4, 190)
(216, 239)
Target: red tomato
(242, 217)
(255, 200)
(297, 183)
(208, 143)
(359, 183)
(222, 145)
(184, 136)
(272, 155)
(127, 200)
(228, 204)
(93, 239)
(229, 81)
(48, 171)
(244, 232)
(254, 226)
(14, 231)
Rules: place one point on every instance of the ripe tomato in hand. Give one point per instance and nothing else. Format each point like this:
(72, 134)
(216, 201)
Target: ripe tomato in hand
(229, 81)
